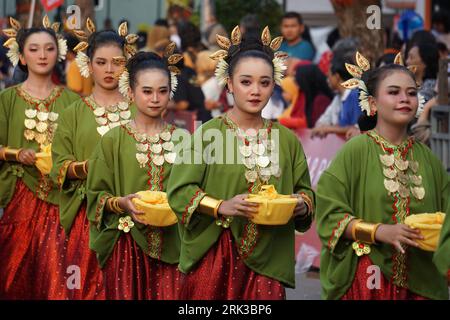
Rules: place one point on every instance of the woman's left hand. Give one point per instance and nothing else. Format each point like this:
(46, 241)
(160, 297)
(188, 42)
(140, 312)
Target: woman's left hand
(300, 209)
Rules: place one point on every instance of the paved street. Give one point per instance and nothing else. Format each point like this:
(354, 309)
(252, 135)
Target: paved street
(307, 287)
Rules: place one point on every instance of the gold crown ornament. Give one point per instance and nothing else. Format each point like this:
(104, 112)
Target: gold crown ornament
(363, 65)
(225, 44)
(82, 59)
(13, 46)
(169, 56)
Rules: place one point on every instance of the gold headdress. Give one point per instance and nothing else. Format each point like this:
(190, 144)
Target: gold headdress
(171, 58)
(225, 44)
(362, 66)
(13, 46)
(82, 59)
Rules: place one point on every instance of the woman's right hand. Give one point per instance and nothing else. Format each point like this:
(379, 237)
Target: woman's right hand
(398, 235)
(238, 206)
(126, 204)
(27, 157)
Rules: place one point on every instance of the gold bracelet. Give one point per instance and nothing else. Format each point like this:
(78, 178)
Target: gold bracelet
(309, 204)
(108, 205)
(84, 168)
(117, 206)
(365, 232)
(374, 230)
(356, 221)
(72, 169)
(113, 205)
(10, 154)
(77, 170)
(210, 206)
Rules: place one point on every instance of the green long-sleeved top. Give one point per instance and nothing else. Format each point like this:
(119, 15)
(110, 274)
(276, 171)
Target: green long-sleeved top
(268, 250)
(442, 254)
(13, 103)
(75, 140)
(353, 187)
(115, 172)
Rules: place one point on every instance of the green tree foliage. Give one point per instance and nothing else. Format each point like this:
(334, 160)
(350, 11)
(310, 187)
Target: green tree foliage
(230, 12)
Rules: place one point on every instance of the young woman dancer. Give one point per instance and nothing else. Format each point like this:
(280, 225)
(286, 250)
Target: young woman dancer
(372, 185)
(139, 261)
(31, 239)
(225, 255)
(80, 128)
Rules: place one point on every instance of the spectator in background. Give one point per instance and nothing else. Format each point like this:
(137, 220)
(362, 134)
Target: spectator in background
(4, 65)
(317, 93)
(418, 37)
(142, 40)
(189, 95)
(249, 25)
(441, 27)
(174, 36)
(191, 43)
(386, 58)
(425, 58)
(210, 34)
(160, 47)
(297, 43)
(343, 112)
(313, 98)
(205, 67)
(325, 58)
(275, 106)
(443, 50)
(107, 24)
(74, 80)
(156, 34)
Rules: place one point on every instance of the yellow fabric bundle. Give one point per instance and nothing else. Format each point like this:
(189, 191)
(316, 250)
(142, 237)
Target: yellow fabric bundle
(430, 225)
(44, 161)
(156, 207)
(274, 208)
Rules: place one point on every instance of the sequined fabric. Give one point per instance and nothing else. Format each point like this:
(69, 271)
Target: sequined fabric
(129, 274)
(32, 249)
(83, 262)
(222, 275)
(386, 291)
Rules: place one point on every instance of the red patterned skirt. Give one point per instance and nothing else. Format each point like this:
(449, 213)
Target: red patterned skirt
(386, 291)
(85, 278)
(32, 251)
(223, 275)
(130, 274)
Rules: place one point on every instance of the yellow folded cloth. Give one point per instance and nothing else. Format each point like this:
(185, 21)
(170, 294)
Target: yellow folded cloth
(274, 208)
(156, 207)
(44, 161)
(430, 225)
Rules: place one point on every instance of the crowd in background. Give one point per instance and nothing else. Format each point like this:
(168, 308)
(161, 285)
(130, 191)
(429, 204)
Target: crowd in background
(310, 95)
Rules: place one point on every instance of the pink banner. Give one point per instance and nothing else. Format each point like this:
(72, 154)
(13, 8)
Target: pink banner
(319, 154)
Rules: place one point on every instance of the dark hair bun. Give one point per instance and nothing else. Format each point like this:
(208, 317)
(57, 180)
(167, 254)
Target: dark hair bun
(102, 38)
(145, 60)
(250, 43)
(142, 57)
